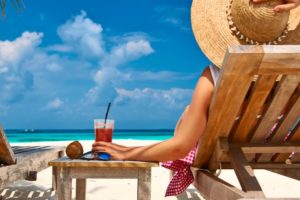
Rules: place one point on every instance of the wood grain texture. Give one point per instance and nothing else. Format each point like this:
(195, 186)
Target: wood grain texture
(64, 183)
(296, 158)
(270, 165)
(289, 119)
(277, 108)
(244, 171)
(144, 184)
(214, 188)
(7, 157)
(66, 162)
(103, 173)
(80, 189)
(220, 153)
(254, 108)
(287, 147)
(283, 60)
(295, 137)
(26, 162)
(285, 90)
(234, 82)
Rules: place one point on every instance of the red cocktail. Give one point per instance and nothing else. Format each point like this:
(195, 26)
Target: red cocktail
(103, 131)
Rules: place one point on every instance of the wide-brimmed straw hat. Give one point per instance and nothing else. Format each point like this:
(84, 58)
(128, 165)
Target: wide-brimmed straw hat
(218, 24)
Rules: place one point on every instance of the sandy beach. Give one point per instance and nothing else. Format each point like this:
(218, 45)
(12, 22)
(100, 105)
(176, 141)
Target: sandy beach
(274, 185)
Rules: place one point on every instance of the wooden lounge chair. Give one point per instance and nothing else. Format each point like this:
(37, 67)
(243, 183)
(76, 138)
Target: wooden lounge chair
(23, 162)
(253, 121)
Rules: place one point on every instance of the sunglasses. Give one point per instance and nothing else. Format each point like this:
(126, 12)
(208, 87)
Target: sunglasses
(96, 156)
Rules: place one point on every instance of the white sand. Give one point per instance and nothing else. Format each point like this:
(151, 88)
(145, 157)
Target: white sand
(274, 185)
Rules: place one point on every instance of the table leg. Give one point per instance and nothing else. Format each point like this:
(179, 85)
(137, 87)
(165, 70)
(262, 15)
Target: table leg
(64, 184)
(54, 178)
(80, 188)
(144, 184)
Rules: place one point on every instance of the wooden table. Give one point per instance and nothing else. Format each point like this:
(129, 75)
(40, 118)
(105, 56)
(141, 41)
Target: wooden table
(66, 169)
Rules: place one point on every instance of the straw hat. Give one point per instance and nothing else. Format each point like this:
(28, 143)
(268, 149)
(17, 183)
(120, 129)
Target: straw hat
(218, 24)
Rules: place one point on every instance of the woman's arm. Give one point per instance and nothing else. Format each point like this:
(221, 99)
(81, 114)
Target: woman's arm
(288, 5)
(186, 135)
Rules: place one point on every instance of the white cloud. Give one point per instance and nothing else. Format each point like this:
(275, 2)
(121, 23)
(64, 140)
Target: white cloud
(55, 104)
(128, 51)
(60, 48)
(41, 61)
(108, 77)
(83, 36)
(14, 52)
(173, 16)
(163, 76)
(131, 36)
(15, 79)
(13, 87)
(174, 98)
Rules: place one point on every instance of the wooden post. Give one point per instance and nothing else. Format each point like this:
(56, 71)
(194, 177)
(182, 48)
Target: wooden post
(244, 171)
(80, 188)
(214, 188)
(54, 178)
(144, 184)
(64, 184)
(31, 176)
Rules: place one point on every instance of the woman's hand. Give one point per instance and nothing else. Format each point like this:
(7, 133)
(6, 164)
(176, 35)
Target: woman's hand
(288, 5)
(117, 152)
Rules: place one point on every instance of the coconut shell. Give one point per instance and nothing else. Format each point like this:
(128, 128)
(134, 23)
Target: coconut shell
(74, 150)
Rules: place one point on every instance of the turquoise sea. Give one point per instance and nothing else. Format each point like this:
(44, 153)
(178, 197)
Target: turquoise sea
(42, 135)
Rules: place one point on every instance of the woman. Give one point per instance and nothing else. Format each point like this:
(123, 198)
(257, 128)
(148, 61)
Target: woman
(190, 125)
(222, 22)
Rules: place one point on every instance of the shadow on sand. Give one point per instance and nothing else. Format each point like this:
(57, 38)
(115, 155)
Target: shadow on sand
(190, 194)
(24, 191)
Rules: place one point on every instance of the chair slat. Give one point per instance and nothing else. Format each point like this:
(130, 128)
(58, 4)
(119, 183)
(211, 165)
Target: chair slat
(289, 118)
(296, 157)
(285, 90)
(31, 150)
(235, 80)
(7, 156)
(20, 149)
(283, 60)
(258, 97)
(294, 138)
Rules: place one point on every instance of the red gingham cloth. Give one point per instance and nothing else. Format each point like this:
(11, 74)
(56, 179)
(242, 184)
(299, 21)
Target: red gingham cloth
(183, 176)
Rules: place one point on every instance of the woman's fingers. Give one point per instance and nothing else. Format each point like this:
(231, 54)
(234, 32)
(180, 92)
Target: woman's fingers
(99, 148)
(285, 7)
(117, 152)
(288, 5)
(258, 1)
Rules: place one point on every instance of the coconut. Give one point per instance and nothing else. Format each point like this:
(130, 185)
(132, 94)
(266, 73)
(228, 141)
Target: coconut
(74, 150)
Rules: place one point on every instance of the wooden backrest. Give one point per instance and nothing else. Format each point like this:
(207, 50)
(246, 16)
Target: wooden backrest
(7, 156)
(258, 88)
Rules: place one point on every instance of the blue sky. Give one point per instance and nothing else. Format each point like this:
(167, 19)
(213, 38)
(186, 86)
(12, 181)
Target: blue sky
(62, 62)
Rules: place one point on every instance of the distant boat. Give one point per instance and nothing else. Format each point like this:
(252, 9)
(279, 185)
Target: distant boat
(28, 130)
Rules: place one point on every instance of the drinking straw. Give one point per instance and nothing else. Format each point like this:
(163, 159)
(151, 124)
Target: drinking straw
(106, 114)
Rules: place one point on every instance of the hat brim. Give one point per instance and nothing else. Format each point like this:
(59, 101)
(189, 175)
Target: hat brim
(212, 33)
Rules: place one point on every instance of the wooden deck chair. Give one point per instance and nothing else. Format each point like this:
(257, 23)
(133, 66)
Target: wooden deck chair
(23, 162)
(253, 121)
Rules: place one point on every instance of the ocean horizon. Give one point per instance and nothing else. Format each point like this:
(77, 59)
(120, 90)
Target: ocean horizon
(44, 135)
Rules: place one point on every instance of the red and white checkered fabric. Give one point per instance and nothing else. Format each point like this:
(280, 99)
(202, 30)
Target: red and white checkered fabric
(183, 176)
